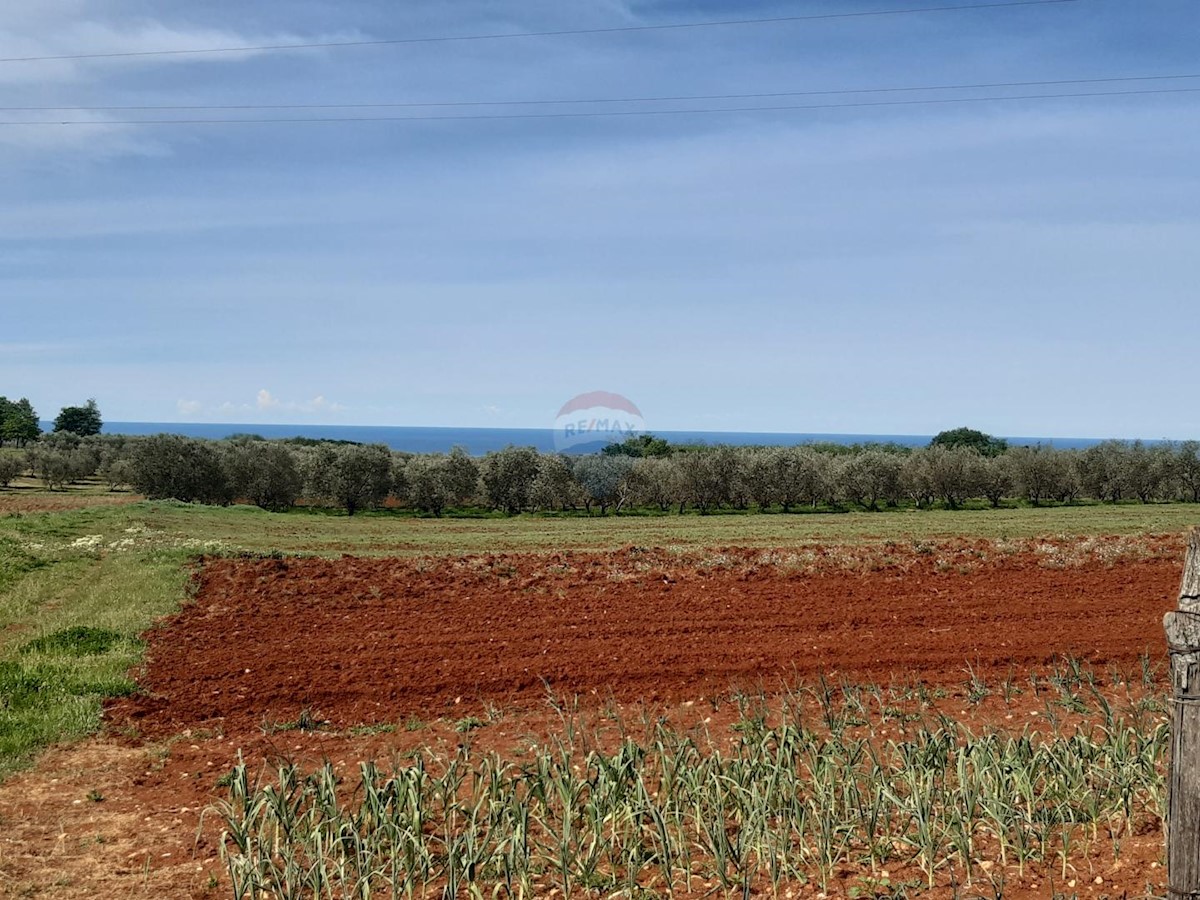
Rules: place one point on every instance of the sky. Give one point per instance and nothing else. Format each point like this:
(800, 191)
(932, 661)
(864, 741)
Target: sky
(1026, 267)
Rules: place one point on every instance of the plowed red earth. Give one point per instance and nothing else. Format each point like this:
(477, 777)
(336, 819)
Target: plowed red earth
(371, 640)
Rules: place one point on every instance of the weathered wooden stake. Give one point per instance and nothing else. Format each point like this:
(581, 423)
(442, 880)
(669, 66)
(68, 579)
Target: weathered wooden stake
(1183, 789)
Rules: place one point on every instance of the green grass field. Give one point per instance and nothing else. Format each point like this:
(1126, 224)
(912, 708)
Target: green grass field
(115, 569)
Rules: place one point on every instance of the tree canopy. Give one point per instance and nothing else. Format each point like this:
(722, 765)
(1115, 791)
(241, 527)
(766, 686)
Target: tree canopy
(983, 443)
(18, 421)
(81, 420)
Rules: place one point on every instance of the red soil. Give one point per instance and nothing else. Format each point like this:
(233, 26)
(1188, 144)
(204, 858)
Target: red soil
(373, 640)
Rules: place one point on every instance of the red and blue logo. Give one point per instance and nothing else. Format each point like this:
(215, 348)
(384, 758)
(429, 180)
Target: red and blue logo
(590, 421)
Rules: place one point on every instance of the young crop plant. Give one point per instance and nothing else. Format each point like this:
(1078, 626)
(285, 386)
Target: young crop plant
(773, 803)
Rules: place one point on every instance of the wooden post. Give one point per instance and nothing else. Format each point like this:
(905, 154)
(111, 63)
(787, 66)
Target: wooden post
(1183, 788)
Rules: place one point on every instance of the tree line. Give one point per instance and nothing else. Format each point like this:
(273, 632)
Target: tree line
(19, 423)
(644, 473)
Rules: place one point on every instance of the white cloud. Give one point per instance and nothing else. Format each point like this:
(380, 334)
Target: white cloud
(266, 406)
(51, 28)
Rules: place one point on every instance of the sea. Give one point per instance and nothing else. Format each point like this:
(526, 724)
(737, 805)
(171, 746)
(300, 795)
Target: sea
(478, 441)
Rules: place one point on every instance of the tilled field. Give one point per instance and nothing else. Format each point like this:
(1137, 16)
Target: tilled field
(450, 661)
(353, 641)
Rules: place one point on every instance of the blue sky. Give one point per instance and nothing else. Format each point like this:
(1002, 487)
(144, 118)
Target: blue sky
(1027, 267)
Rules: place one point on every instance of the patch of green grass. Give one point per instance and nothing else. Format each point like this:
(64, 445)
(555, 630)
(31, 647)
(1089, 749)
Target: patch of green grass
(69, 634)
(15, 562)
(78, 640)
(387, 533)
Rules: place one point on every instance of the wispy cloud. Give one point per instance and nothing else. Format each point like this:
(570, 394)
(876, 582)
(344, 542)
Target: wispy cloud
(265, 406)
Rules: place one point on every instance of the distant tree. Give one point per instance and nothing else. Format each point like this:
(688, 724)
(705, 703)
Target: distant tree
(169, 466)
(400, 475)
(981, 443)
(80, 420)
(1187, 469)
(360, 476)
(994, 477)
(954, 472)
(763, 475)
(316, 468)
(871, 476)
(639, 445)
(10, 467)
(428, 480)
(605, 481)
(53, 467)
(116, 469)
(1101, 470)
(656, 481)
(462, 477)
(508, 477)
(702, 481)
(805, 476)
(1038, 472)
(264, 473)
(18, 422)
(555, 486)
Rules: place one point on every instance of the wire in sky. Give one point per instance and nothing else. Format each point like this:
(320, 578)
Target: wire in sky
(610, 113)
(598, 100)
(623, 29)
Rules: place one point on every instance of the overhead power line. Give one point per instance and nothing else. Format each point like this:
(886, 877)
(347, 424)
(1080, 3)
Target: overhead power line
(678, 98)
(564, 32)
(612, 113)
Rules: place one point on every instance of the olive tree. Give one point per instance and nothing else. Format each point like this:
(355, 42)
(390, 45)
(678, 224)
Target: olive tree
(169, 466)
(428, 480)
(805, 476)
(360, 476)
(762, 475)
(555, 486)
(116, 469)
(870, 476)
(1100, 470)
(10, 467)
(264, 473)
(605, 481)
(508, 477)
(1038, 472)
(702, 480)
(462, 477)
(657, 481)
(1187, 469)
(994, 477)
(954, 472)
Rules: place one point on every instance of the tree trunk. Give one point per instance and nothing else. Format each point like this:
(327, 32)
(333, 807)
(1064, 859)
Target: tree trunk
(1183, 790)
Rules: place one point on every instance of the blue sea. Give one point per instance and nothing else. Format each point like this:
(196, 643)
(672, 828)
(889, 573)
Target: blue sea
(481, 440)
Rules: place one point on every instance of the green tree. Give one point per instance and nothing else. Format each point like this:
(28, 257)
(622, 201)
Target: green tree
(428, 483)
(10, 467)
(360, 477)
(639, 445)
(981, 443)
(508, 477)
(82, 420)
(264, 473)
(555, 486)
(605, 481)
(169, 466)
(18, 422)
(462, 477)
